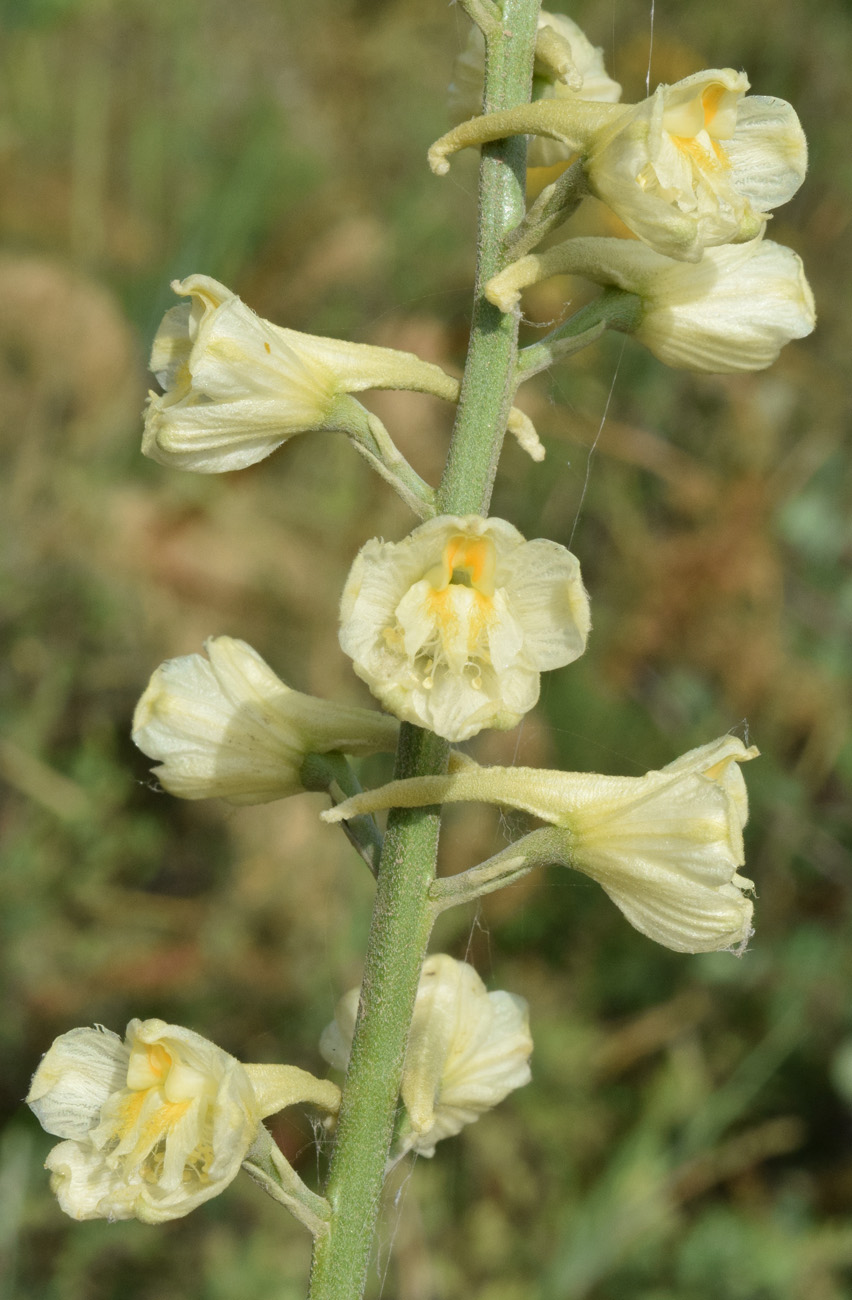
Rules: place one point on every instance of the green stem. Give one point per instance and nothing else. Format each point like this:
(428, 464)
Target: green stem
(486, 394)
(403, 912)
(402, 920)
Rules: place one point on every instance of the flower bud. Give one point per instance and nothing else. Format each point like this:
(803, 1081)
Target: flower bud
(224, 726)
(467, 1050)
(452, 627)
(665, 846)
(157, 1123)
(567, 64)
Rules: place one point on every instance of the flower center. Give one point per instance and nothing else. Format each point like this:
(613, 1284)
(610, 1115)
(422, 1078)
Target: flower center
(697, 125)
(445, 621)
(158, 1125)
(153, 1066)
(466, 562)
(713, 113)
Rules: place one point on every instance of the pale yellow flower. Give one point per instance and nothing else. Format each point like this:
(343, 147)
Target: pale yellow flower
(665, 846)
(733, 310)
(157, 1123)
(467, 1050)
(584, 75)
(698, 163)
(452, 627)
(224, 726)
(236, 387)
(695, 165)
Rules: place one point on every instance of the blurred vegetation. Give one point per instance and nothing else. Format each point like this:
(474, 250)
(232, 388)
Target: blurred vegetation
(688, 1131)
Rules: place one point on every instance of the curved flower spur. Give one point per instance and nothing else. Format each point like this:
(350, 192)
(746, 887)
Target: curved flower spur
(566, 64)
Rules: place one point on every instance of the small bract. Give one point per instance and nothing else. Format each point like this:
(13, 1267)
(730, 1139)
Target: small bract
(452, 627)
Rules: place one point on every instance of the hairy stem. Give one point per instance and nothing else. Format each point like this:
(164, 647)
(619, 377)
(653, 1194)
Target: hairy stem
(402, 919)
(403, 912)
(486, 394)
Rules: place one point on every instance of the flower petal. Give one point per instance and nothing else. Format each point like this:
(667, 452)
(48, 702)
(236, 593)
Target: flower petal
(75, 1078)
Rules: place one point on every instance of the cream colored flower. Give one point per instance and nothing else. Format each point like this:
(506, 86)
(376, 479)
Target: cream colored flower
(451, 627)
(467, 1050)
(733, 310)
(157, 1123)
(695, 165)
(236, 387)
(224, 726)
(698, 163)
(665, 846)
(580, 71)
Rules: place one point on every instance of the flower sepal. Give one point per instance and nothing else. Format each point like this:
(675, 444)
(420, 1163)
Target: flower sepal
(452, 627)
(223, 725)
(156, 1123)
(235, 387)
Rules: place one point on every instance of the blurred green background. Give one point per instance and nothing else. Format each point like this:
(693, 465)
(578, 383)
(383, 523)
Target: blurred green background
(688, 1131)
